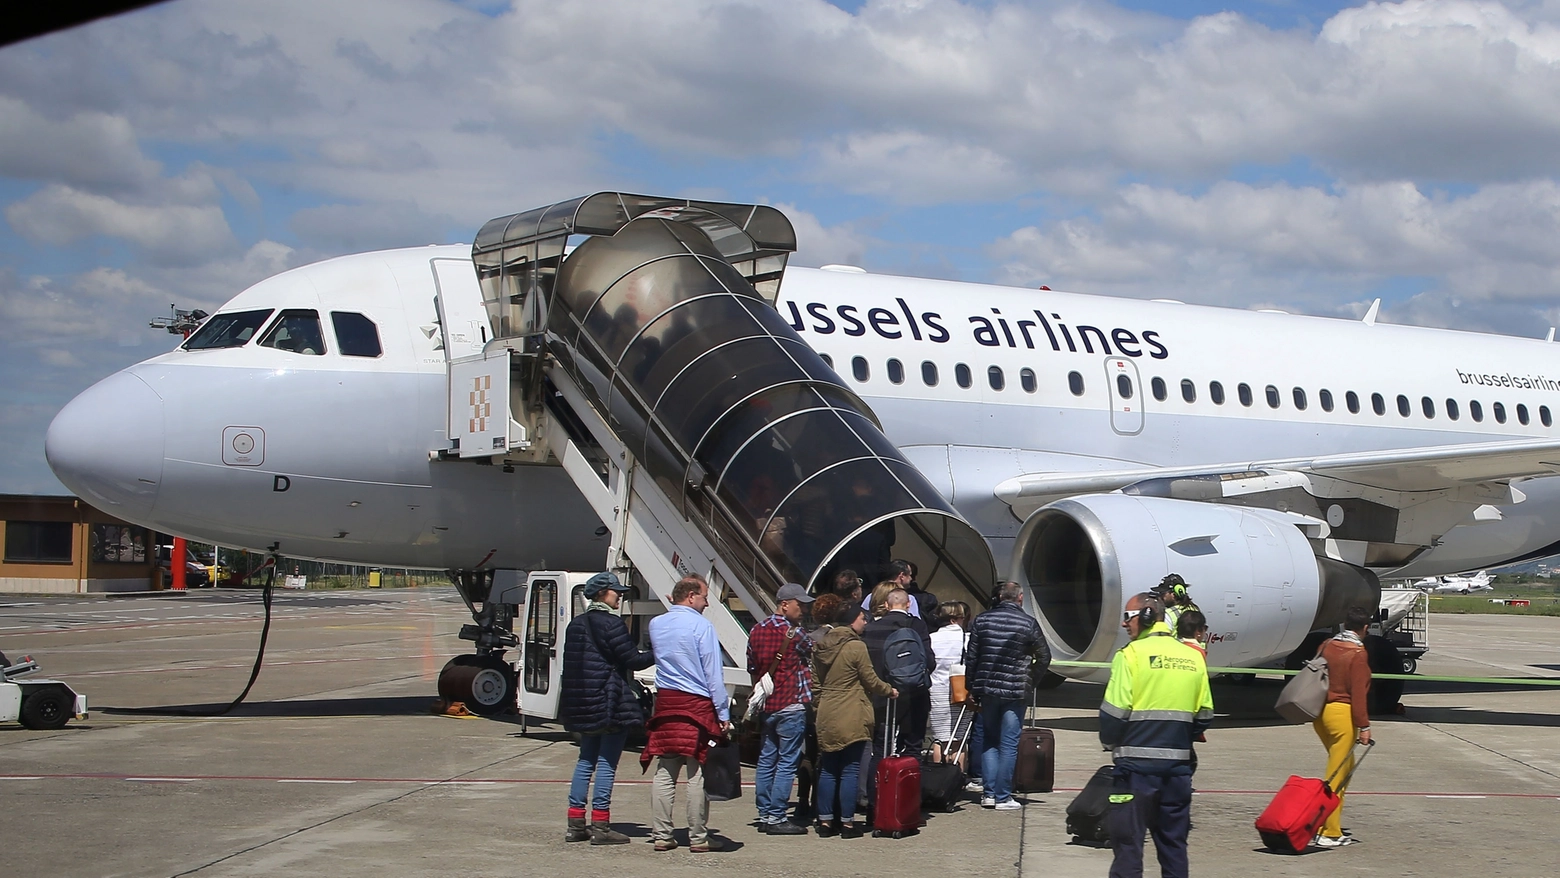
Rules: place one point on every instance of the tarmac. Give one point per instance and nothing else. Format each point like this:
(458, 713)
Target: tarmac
(335, 767)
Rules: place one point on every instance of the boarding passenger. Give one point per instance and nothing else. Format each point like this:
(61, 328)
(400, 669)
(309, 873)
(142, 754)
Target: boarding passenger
(847, 585)
(926, 603)
(599, 703)
(948, 643)
(846, 687)
(912, 707)
(876, 604)
(1004, 643)
(692, 711)
(779, 647)
(1156, 703)
(1345, 717)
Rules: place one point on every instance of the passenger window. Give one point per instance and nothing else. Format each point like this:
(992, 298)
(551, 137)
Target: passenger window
(929, 373)
(995, 379)
(858, 368)
(961, 375)
(1475, 411)
(1216, 392)
(1244, 391)
(1403, 407)
(1325, 396)
(1272, 396)
(1352, 400)
(227, 330)
(296, 331)
(356, 335)
(1160, 392)
(1188, 390)
(1075, 383)
(896, 371)
(1451, 408)
(1499, 408)
(1522, 414)
(1428, 406)
(1378, 404)
(1300, 399)
(827, 360)
(1123, 387)
(1543, 416)
(1026, 377)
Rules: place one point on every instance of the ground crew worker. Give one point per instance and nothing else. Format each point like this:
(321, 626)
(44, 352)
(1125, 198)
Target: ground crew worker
(1156, 704)
(1172, 590)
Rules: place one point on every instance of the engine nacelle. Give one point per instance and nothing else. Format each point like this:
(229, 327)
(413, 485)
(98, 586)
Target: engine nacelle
(1251, 571)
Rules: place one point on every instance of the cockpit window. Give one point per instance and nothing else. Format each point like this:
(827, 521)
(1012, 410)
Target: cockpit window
(356, 335)
(298, 331)
(232, 330)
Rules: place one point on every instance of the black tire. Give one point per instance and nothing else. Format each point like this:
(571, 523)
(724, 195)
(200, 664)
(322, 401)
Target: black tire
(46, 709)
(1410, 665)
(486, 684)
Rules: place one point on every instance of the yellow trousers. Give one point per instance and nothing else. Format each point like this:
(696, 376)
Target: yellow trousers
(1336, 729)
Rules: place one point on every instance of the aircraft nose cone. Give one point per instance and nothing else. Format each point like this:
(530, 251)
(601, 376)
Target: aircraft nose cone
(106, 445)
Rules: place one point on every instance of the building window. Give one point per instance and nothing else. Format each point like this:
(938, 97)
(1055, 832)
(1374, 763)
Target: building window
(356, 335)
(1075, 383)
(1300, 399)
(994, 378)
(1475, 411)
(1499, 408)
(1160, 391)
(1352, 400)
(296, 331)
(1123, 387)
(896, 371)
(858, 367)
(1403, 407)
(929, 373)
(1244, 392)
(1543, 416)
(1325, 396)
(1026, 377)
(1378, 404)
(39, 542)
(1272, 396)
(961, 376)
(118, 544)
(1188, 390)
(1216, 392)
(1427, 405)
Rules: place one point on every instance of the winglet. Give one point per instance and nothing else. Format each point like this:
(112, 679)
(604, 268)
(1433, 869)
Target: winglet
(1370, 315)
(1551, 335)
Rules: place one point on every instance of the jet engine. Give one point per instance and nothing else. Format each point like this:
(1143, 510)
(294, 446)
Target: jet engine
(1251, 571)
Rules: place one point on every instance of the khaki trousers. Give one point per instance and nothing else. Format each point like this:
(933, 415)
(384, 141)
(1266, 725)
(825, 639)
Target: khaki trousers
(663, 795)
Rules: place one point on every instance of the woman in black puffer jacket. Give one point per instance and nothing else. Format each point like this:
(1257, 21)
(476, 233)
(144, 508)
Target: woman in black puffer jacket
(598, 703)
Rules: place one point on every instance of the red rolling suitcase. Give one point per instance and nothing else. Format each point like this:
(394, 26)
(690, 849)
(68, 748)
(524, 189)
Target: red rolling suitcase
(898, 809)
(1296, 814)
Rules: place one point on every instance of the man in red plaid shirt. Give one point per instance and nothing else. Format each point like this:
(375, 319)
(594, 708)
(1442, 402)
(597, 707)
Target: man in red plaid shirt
(783, 721)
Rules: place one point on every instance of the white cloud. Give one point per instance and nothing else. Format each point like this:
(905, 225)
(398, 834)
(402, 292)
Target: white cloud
(817, 244)
(61, 215)
(86, 149)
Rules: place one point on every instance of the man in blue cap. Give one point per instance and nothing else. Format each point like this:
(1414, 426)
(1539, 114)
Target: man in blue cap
(599, 703)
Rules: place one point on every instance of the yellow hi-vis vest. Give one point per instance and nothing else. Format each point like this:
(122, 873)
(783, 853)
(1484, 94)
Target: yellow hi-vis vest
(1156, 703)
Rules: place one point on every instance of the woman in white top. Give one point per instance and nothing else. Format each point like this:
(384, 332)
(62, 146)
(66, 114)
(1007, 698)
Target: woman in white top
(948, 648)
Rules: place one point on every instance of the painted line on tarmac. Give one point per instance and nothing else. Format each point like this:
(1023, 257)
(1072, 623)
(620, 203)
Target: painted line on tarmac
(1428, 678)
(119, 672)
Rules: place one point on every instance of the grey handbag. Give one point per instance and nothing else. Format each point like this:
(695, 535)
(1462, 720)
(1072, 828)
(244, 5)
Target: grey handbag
(1305, 694)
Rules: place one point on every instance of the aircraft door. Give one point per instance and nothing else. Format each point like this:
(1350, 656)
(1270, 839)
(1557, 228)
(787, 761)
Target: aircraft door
(463, 324)
(541, 659)
(1126, 396)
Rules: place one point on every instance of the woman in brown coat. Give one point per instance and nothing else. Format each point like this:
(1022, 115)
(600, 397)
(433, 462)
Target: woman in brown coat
(1344, 719)
(843, 689)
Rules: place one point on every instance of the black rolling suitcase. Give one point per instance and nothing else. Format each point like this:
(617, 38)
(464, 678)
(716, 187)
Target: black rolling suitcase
(942, 783)
(1035, 771)
(1086, 813)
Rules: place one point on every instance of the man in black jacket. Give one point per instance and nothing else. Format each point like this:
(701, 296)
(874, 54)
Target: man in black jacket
(914, 706)
(598, 702)
(1004, 650)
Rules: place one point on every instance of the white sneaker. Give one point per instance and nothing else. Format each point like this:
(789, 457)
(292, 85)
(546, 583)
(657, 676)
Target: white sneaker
(1324, 841)
(1010, 805)
(975, 786)
(988, 802)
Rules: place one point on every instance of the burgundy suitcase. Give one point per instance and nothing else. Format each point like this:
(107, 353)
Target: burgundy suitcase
(1297, 813)
(897, 812)
(1035, 771)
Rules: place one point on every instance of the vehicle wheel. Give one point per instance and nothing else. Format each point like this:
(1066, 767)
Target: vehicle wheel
(1410, 665)
(1243, 679)
(484, 683)
(46, 709)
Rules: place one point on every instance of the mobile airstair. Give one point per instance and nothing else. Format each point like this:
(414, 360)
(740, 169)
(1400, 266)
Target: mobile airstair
(634, 342)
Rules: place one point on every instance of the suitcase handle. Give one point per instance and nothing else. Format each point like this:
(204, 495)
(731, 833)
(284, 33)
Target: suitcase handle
(1357, 763)
(953, 755)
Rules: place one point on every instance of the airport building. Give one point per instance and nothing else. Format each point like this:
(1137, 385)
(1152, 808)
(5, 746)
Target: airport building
(61, 545)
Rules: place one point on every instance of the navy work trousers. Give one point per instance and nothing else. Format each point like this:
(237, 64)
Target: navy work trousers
(1160, 806)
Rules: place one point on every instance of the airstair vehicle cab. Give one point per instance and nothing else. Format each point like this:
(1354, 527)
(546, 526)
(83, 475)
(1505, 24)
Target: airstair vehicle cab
(634, 341)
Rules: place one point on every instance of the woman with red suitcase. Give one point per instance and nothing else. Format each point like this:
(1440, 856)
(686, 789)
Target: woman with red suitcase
(845, 684)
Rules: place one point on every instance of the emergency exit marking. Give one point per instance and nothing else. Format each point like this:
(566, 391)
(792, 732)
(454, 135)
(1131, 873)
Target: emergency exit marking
(481, 408)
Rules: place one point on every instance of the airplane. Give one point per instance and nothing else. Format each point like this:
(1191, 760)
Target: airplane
(1081, 445)
(1457, 584)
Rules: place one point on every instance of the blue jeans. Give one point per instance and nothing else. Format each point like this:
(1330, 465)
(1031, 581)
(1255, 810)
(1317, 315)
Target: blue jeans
(598, 753)
(839, 772)
(784, 734)
(999, 749)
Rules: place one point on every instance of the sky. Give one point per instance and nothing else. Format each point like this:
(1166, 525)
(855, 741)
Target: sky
(1301, 155)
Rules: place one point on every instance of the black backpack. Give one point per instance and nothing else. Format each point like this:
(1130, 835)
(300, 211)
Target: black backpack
(904, 657)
